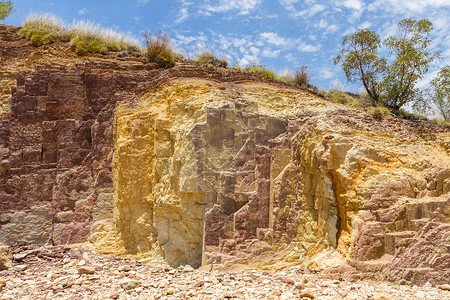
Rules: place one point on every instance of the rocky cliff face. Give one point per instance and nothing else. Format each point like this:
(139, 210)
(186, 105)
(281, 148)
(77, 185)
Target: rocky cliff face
(213, 166)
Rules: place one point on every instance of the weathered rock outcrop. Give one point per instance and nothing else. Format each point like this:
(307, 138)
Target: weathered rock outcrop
(212, 166)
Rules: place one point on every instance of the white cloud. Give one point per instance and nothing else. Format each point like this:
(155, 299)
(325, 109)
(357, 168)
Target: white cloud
(353, 4)
(255, 51)
(357, 6)
(309, 11)
(290, 57)
(141, 2)
(137, 20)
(243, 6)
(308, 48)
(400, 6)
(273, 38)
(328, 28)
(270, 53)
(83, 11)
(183, 15)
(248, 59)
(365, 25)
(325, 73)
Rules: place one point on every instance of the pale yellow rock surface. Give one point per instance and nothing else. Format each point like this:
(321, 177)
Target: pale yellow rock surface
(190, 149)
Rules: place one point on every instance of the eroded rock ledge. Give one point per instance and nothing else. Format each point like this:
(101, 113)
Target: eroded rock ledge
(209, 166)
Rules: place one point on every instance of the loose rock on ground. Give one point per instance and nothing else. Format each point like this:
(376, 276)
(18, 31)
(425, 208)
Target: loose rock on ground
(55, 273)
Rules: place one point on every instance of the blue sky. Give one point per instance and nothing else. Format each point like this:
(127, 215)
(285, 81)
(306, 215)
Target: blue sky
(280, 34)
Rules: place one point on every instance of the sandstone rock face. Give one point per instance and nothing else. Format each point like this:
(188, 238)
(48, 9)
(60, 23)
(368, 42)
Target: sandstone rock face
(211, 166)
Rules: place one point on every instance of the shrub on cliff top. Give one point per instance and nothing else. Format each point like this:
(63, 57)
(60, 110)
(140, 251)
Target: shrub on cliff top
(261, 71)
(166, 59)
(302, 77)
(287, 77)
(379, 112)
(155, 44)
(44, 29)
(342, 98)
(209, 60)
(83, 44)
(112, 40)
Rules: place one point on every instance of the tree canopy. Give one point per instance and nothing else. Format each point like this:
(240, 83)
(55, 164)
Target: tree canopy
(360, 62)
(390, 81)
(440, 92)
(6, 8)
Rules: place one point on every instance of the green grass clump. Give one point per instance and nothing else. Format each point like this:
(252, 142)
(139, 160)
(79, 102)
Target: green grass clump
(158, 49)
(379, 112)
(441, 122)
(85, 37)
(83, 44)
(342, 98)
(302, 77)
(155, 44)
(261, 71)
(209, 60)
(44, 29)
(287, 77)
(166, 59)
(409, 116)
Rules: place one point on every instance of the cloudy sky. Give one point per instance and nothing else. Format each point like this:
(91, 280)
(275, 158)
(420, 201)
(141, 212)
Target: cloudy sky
(280, 34)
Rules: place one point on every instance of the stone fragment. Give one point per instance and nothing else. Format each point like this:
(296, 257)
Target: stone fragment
(86, 270)
(20, 256)
(307, 294)
(5, 257)
(170, 291)
(198, 283)
(129, 284)
(445, 287)
(381, 296)
(21, 268)
(188, 268)
(288, 281)
(124, 268)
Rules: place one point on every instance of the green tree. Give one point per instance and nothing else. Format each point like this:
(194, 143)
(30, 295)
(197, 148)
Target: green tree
(440, 92)
(6, 8)
(390, 83)
(360, 62)
(409, 48)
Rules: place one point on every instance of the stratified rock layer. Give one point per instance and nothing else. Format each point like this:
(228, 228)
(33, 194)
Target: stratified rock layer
(211, 166)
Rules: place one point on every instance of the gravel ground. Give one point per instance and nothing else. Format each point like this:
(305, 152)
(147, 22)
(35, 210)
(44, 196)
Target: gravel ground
(65, 273)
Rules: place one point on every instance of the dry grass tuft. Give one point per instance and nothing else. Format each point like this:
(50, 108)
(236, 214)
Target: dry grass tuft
(85, 37)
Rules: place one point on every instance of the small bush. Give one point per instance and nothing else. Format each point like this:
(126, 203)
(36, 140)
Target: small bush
(83, 44)
(209, 60)
(379, 112)
(166, 59)
(287, 77)
(302, 77)
(261, 71)
(111, 39)
(409, 116)
(44, 29)
(441, 122)
(342, 98)
(155, 44)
